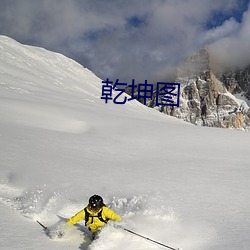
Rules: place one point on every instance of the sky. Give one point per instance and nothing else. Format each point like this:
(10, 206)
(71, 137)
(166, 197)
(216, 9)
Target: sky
(131, 39)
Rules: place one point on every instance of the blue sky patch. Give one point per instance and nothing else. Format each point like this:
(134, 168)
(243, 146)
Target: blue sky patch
(219, 17)
(136, 21)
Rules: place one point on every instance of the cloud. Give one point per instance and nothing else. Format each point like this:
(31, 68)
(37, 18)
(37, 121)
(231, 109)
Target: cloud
(228, 28)
(233, 49)
(133, 39)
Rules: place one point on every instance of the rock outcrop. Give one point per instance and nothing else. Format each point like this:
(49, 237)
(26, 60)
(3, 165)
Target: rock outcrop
(237, 81)
(206, 100)
(206, 97)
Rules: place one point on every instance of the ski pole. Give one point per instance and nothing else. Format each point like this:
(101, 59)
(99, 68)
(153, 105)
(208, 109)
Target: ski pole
(45, 228)
(146, 238)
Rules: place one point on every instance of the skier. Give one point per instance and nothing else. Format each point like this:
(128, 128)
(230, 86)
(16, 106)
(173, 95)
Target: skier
(95, 214)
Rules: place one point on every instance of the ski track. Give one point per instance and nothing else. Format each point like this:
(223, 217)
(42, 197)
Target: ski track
(144, 214)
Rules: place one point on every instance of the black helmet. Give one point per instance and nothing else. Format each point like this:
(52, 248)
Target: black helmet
(95, 202)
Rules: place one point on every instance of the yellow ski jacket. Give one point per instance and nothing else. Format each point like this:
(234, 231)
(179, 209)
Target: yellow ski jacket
(94, 223)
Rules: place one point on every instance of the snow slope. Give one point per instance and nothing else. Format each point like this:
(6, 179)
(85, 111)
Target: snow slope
(176, 183)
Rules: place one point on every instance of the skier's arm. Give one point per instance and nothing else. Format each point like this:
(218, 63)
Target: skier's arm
(77, 217)
(110, 214)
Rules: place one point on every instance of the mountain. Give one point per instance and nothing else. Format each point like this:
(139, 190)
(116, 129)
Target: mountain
(207, 96)
(237, 81)
(182, 185)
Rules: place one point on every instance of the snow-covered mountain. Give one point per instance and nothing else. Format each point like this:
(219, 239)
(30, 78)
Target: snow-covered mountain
(237, 81)
(182, 185)
(210, 97)
(206, 99)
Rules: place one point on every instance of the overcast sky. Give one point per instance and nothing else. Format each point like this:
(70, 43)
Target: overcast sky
(131, 39)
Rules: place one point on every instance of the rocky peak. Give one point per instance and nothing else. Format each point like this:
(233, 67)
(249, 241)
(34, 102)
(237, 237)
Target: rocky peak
(194, 65)
(237, 81)
(207, 98)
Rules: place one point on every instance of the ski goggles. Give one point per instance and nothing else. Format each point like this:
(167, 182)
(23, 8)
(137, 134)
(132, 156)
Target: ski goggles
(94, 208)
